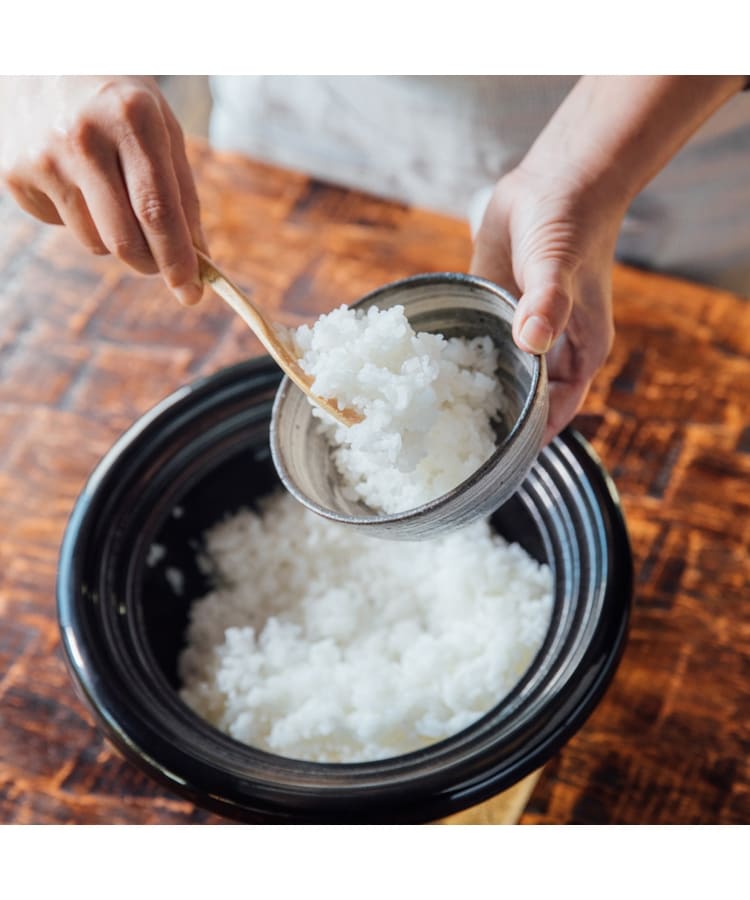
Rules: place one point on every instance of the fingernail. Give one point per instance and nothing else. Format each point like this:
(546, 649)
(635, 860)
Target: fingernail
(536, 334)
(188, 294)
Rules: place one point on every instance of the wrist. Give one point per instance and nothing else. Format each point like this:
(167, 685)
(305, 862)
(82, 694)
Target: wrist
(587, 186)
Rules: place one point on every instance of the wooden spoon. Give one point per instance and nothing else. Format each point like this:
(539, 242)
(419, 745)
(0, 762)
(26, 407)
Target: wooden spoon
(274, 337)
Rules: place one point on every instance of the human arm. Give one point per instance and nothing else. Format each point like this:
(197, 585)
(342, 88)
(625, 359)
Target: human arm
(105, 156)
(550, 230)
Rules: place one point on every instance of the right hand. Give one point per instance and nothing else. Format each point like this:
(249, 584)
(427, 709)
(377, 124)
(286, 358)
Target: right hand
(105, 157)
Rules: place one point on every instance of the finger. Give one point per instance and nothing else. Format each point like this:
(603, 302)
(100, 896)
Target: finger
(107, 199)
(33, 202)
(76, 216)
(573, 363)
(565, 400)
(492, 261)
(72, 209)
(153, 189)
(185, 180)
(68, 201)
(93, 166)
(491, 258)
(545, 305)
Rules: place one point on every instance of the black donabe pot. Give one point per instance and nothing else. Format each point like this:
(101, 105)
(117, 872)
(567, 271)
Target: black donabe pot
(203, 453)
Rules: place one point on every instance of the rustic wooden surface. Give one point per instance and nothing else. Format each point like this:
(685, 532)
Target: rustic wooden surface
(85, 348)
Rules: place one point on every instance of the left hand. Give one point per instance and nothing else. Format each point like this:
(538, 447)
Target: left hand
(550, 230)
(551, 243)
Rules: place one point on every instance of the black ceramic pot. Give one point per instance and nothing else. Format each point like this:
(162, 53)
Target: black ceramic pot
(203, 453)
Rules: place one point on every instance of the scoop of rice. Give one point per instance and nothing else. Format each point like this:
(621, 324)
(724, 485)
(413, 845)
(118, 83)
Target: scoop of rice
(320, 643)
(428, 404)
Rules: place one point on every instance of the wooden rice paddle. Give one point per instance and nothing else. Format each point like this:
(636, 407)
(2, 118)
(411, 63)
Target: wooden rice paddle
(274, 337)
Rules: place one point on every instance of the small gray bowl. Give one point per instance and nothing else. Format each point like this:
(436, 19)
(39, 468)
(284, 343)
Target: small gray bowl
(454, 305)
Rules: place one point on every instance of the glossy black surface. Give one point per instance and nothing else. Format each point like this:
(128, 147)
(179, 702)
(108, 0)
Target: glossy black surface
(202, 454)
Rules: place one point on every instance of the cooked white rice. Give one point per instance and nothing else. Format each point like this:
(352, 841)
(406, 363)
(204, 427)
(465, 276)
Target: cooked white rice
(428, 402)
(320, 643)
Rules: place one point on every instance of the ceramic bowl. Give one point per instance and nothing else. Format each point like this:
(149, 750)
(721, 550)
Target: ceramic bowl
(454, 305)
(202, 454)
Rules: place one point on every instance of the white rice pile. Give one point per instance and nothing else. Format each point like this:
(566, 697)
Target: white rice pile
(428, 402)
(322, 644)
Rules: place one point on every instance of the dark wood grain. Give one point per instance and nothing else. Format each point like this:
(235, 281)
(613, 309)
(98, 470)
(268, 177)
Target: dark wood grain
(85, 348)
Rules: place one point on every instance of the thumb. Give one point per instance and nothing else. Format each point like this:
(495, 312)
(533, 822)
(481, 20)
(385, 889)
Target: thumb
(545, 305)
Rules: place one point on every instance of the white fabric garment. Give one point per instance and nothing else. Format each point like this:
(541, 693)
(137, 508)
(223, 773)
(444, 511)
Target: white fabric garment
(441, 142)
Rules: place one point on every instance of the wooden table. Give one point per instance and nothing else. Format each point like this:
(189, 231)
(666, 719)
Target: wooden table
(86, 347)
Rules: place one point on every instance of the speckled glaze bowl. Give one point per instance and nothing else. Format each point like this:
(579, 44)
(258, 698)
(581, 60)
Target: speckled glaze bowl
(202, 454)
(454, 305)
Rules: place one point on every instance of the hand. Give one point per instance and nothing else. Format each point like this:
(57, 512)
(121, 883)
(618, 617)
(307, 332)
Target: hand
(105, 157)
(550, 230)
(551, 242)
